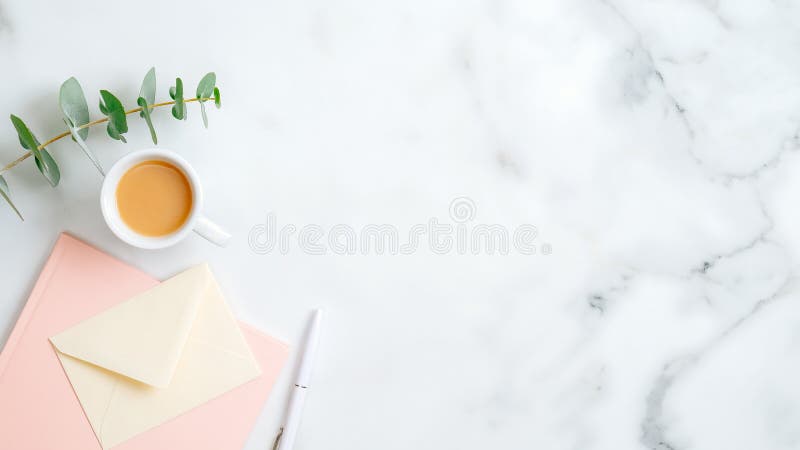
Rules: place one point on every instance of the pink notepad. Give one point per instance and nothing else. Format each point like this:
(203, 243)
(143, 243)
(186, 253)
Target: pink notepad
(39, 410)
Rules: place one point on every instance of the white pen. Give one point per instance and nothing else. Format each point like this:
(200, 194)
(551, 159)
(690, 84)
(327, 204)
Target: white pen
(285, 438)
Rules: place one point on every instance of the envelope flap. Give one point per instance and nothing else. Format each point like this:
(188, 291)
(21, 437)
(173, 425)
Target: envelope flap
(143, 337)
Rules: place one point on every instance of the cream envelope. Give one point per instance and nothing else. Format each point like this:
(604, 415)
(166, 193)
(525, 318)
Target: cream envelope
(155, 356)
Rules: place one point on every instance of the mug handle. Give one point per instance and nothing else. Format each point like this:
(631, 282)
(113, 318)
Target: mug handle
(211, 231)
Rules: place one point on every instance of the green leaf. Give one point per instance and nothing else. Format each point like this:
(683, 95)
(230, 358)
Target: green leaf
(148, 90)
(176, 92)
(5, 192)
(203, 113)
(217, 98)
(46, 164)
(205, 89)
(73, 105)
(26, 138)
(146, 114)
(82, 144)
(117, 121)
(148, 93)
(147, 96)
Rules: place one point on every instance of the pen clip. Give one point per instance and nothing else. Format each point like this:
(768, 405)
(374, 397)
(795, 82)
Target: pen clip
(277, 439)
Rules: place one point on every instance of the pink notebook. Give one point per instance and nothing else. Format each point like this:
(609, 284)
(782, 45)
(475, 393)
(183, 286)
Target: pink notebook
(39, 410)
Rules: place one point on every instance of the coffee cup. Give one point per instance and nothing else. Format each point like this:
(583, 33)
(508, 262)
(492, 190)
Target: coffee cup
(153, 199)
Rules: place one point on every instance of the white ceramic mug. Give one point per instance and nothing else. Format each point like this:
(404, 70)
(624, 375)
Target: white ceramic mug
(195, 222)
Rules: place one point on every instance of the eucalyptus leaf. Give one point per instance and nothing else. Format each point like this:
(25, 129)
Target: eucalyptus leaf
(205, 89)
(148, 92)
(82, 144)
(203, 113)
(26, 138)
(176, 92)
(73, 105)
(46, 164)
(5, 192)
(217, 98)
(117, 121)
(146, 114)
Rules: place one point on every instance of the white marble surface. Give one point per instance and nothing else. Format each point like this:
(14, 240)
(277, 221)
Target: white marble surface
(654, 145)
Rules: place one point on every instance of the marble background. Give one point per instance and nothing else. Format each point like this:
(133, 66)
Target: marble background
(654, 145)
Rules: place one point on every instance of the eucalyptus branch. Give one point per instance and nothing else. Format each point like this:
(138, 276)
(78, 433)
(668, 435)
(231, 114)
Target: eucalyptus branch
(76, 117)
(58, 137)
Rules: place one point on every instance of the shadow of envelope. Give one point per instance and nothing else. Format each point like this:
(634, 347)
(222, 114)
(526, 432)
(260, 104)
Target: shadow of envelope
(155, 356)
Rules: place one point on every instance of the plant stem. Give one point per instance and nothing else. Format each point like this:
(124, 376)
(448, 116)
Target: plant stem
(28, 153)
